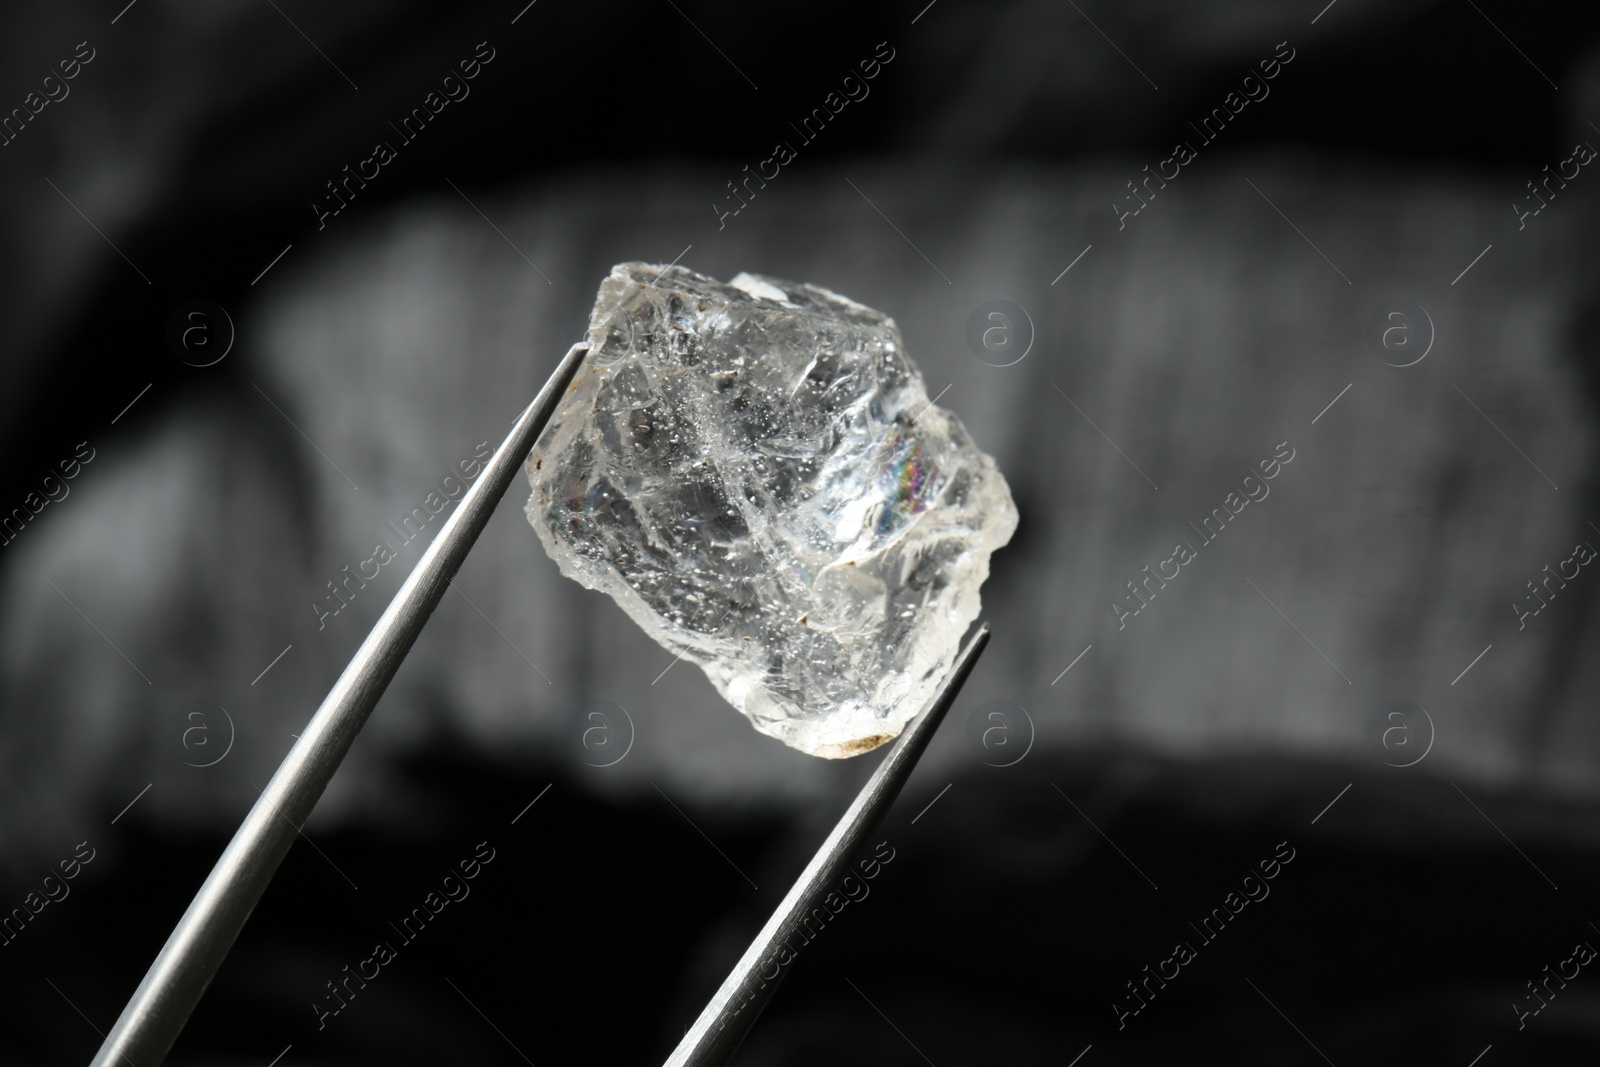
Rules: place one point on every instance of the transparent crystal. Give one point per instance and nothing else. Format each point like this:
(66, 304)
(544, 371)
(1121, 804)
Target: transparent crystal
(754, 471)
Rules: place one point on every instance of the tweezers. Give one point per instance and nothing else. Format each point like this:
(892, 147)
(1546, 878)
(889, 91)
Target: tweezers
(160, 1008)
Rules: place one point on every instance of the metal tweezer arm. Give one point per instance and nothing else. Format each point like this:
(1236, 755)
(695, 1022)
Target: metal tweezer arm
(716, 1034)
(180, 974)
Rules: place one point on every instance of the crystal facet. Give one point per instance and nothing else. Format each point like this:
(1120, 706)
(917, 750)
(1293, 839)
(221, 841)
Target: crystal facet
(754, 472)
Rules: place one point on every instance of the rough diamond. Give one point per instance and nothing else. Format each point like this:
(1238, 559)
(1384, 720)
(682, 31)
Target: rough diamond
(755, 473)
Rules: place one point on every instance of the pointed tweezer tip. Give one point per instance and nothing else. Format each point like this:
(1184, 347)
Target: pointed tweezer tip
(716, 1034)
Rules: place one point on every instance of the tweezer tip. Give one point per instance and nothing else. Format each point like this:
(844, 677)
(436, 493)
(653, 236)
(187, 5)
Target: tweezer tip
(975, 644)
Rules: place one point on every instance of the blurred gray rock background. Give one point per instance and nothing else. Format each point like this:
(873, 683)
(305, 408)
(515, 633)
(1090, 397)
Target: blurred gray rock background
(378, 352)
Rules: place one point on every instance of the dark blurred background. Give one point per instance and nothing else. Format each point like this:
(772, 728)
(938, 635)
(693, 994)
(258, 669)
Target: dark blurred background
(1345, 674)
